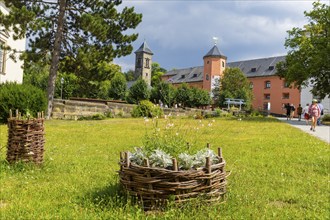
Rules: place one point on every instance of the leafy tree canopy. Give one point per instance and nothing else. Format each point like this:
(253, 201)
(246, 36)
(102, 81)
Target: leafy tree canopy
(156, 73)
(139, 91)
(118, 87)
(308, 60)
(234, 84)
(163, 92)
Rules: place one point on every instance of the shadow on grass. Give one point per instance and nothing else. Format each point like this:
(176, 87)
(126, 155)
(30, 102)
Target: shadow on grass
(111, 196)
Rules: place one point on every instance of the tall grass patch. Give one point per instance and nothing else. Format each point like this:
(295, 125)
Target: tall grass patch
(277, 172)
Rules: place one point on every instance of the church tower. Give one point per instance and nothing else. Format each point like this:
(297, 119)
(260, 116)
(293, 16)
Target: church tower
(143, 61)
(214, 65)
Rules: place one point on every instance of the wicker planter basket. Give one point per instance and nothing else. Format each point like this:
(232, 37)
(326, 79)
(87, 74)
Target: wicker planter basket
(25, 139)
(156, 186)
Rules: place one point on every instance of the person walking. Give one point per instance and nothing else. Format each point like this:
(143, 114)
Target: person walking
(292, 109)
(287, 108)
(305, 113)
(314, 112)
(321, 109)
(299, 112)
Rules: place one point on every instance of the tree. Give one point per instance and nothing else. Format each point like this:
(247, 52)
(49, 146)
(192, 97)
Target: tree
(199, 97)
(156, 73)
(130, 76)
(164, 92)
(308, 60)
(182, 95)
(72, 30)
(234, 84)
(118, 87)
(139, 91)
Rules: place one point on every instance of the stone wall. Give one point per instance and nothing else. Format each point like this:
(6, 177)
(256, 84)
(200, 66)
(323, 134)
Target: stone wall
(74, 109)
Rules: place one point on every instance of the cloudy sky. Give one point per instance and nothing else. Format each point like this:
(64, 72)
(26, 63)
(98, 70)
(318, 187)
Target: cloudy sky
(180, 32)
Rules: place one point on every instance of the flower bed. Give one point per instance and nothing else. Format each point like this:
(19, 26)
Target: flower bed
(25, 139)
(155, 186)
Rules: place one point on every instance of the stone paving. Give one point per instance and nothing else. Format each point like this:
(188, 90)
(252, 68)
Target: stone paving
(322, 131)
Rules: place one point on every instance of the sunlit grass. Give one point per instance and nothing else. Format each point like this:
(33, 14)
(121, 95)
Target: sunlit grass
(277, 172)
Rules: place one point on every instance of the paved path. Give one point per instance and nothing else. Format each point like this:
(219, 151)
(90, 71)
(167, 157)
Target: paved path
(322, 131)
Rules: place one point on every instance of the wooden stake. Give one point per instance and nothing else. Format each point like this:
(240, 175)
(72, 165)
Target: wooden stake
(175, 164)
(128, 162)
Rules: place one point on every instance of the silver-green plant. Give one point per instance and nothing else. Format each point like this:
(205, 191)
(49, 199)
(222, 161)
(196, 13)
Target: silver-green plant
(200, 157)
(159, 158)
(186, 161)
(138, 156)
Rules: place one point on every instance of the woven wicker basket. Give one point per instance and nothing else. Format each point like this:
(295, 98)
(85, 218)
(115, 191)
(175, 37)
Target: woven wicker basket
(25, 139)
(156, 186)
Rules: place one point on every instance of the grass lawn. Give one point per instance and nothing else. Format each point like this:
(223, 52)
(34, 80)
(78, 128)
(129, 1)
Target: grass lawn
(277, 172)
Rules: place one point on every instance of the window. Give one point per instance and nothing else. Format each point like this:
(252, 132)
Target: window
(139, 63)
(2, 58)
(207, 77)
(183, 76)
(146, 74)
(147, 63)
(271, 67)
(251, 85)
(285, 95)
(223, 64)
(267, 85)
(253, 69)
(286, 85)
(208, 62)
(195, 75)
(266, 96)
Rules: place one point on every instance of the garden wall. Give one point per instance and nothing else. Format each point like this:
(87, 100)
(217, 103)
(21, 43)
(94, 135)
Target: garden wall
(74, 109)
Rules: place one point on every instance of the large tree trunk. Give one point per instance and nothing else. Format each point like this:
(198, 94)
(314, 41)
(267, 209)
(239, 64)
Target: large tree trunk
(55, 58)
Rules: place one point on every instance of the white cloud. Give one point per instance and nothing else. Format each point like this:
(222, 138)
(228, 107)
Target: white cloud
(177, 30)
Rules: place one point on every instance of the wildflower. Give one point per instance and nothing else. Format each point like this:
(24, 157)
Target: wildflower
(213, 120)
(30, 153)
(176, 133)
(209, 124)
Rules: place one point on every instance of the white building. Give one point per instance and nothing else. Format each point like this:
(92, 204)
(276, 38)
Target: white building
(10, 71)
(306, 97)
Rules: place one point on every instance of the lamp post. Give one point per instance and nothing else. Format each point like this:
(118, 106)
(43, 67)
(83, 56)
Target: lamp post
(62, 81)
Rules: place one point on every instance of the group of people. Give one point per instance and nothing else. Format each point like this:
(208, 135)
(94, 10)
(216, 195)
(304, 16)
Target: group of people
(311, 112)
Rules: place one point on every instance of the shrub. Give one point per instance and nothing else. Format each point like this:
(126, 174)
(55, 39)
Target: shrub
(326, 119)
(29, 100)
(146, 109)
(93, 117)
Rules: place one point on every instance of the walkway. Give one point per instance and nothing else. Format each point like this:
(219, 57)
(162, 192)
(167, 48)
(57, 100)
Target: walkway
(322, 131)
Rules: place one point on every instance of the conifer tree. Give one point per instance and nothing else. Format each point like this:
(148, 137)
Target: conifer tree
(66, 33)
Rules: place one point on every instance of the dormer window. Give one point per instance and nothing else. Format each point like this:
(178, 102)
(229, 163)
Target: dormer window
(183, 76)
(271, 67)
(195, 75)
(253, 69)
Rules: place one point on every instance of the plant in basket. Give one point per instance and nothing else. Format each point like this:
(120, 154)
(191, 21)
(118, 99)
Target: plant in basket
(170, 165)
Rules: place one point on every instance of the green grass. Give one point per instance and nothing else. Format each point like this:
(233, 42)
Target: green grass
(277, 172)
